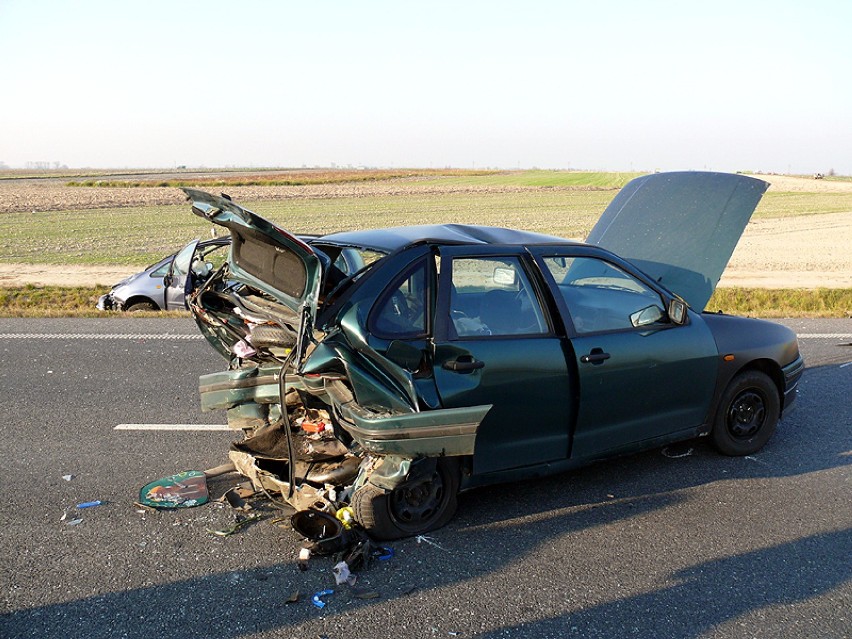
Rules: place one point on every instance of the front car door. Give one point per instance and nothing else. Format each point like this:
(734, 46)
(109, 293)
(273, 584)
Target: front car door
(178, 279)
(495, 343)
(641, 377)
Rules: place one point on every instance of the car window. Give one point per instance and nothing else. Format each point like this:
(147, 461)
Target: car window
(353, 259)
(215, 254)
(162, 271)
(493, 296)
(602, 297)
(182, 261)
(401, 310)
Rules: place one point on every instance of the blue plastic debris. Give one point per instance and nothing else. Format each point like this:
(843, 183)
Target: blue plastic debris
(317, 601)
(90, 504)
(384, 553)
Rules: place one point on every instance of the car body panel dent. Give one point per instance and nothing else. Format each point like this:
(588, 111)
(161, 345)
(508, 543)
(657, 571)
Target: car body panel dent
(434, 433)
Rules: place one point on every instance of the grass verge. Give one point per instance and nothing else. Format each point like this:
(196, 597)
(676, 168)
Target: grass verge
(773, 302)
(60, 301)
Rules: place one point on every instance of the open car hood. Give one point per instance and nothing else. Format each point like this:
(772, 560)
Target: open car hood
(680, 228)
(264, 256)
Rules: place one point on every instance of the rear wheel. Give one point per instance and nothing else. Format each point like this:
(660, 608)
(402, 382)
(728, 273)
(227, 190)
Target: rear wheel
(747, 414)
(414, 507)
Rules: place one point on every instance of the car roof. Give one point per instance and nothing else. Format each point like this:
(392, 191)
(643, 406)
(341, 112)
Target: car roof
(393, 238)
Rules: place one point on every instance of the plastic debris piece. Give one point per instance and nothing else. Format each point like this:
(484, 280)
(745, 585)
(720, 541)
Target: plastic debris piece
(183, 490)
(304, 556)
(243, 349)
(64, 516)
(67, 477)
(428, 540)
(323, 529)
(142, 508)
(294, 597)
(235, 500)
(313, 426)
(74, 522)
(384, 553)
(365, 594)
(316, 599)
(227, 532)
(346, 516)
(90, 504)
(342, 574)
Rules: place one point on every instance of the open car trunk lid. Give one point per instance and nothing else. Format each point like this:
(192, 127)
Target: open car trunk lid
(680, 228)
(264, 256)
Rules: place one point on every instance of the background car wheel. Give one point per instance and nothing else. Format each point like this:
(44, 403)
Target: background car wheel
(141, 306)
(412, 508)
(747, 414)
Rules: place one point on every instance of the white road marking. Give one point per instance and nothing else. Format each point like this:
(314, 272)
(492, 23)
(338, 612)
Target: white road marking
(825, 336)
(172, 427)
(166, 336)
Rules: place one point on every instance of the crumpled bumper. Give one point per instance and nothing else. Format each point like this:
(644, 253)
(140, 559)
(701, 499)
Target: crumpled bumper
(108, 303)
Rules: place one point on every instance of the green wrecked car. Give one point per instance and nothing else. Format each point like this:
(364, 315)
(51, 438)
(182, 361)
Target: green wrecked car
(388, 369)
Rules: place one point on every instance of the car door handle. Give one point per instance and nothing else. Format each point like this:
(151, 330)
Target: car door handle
(463, 365)
(597, 356)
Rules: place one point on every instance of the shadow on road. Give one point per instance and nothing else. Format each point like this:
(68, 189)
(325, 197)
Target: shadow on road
(497, 522)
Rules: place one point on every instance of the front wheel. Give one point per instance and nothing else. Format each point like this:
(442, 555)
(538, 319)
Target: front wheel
(414, 507)
(747, 414)
(141, 306)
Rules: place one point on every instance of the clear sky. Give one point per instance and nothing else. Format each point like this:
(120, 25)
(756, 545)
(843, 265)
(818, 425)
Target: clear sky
(642, 85)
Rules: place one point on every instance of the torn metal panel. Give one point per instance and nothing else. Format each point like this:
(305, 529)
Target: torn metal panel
(435, 433)
(304, 495)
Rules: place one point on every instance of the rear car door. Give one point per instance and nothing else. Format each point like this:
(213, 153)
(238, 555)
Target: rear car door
(495, 343)
(641, 377)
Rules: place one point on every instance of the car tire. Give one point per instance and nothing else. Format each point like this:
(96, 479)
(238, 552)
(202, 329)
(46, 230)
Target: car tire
(141, 306)
(747, 414)
(264, 336)
(412, 508)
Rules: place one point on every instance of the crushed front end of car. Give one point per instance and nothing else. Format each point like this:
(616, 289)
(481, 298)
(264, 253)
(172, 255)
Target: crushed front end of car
(327, 422)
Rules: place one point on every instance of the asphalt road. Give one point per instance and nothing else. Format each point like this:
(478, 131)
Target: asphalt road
(653, 545)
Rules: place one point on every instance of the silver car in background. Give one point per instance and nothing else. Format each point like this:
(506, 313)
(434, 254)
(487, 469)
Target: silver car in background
(163, 285)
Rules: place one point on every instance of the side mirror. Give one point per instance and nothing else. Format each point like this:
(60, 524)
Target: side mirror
(648, 315)
(504, 276)
(677, 311)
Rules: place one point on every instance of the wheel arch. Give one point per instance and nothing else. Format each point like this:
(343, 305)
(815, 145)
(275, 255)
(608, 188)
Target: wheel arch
(140, 299)
(769, 368)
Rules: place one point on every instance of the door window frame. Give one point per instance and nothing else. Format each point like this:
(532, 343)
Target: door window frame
(449, 254)
(540, 253)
